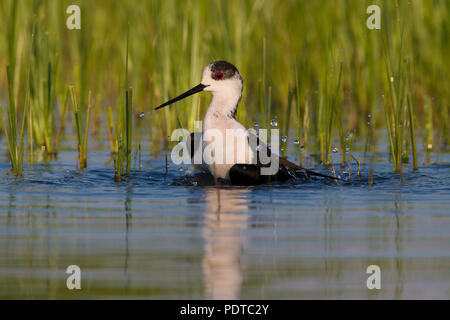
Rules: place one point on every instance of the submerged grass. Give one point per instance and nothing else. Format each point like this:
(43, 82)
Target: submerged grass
(313, 65)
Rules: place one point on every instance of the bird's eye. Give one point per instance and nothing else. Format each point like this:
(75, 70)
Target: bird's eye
(218, 75)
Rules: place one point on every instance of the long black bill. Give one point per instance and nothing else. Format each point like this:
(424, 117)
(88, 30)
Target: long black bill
(197, 88)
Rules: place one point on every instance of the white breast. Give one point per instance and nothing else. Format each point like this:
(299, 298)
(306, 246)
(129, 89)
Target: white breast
(225, 143)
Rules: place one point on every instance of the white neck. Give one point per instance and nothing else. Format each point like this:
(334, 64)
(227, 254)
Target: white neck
(223, 103)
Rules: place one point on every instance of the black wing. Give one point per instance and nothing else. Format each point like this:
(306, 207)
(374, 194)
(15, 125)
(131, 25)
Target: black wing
(284, 163)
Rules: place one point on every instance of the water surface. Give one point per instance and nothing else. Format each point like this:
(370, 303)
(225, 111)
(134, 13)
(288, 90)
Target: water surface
(160, 236)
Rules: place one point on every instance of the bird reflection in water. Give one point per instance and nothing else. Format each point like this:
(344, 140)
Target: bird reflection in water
(225, 224)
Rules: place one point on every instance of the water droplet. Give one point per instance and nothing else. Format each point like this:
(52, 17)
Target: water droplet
(346, 139)
(347, 149)
(273, 122)
(256, 125)
(350, 134)
(302, 148)
(284, 138)
(368, 122)
(335, 150)
(296, 142)
(281, 149)
(141, 115)
(369, 116)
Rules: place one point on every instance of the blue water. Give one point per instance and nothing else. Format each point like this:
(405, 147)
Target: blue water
(164, 235)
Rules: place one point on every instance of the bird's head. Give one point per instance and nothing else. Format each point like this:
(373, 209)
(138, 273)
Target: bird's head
(221, 78)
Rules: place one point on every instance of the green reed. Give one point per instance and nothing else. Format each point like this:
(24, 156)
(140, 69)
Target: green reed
(428, 126)
(302, 117)
(82, 137)
(328, 114)
(15, 143)
(127, 114)
(411, 106)
(121, 139)
(128, 127)
(11, 38)
(399, 106)
(62, 122)
(42, 112)
(286, 120)
(263, 94)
